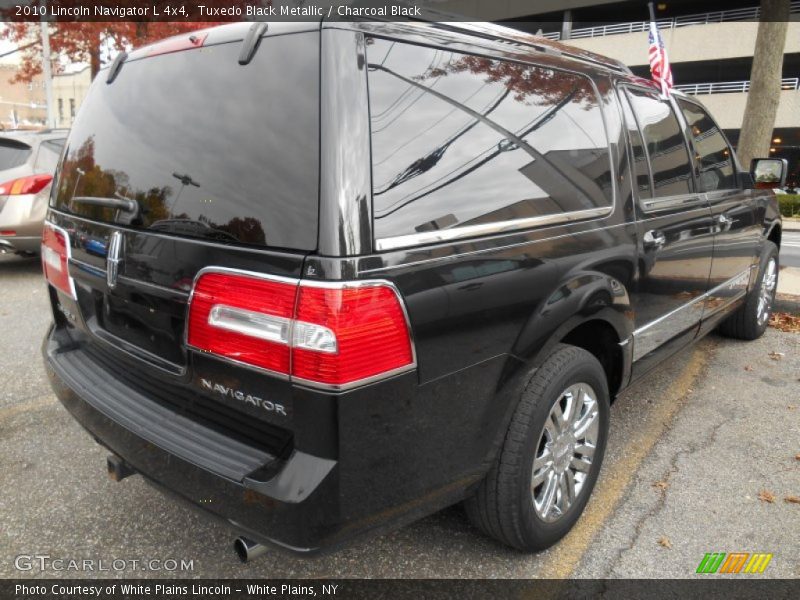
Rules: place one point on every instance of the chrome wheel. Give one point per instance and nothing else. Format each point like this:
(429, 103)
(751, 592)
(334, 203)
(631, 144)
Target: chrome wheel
(565, 451)
(767, 292)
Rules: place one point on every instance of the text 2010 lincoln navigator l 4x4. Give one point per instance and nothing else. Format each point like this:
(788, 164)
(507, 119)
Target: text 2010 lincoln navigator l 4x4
(322, 280)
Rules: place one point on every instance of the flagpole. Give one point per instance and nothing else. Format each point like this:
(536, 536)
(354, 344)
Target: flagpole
(652, 12)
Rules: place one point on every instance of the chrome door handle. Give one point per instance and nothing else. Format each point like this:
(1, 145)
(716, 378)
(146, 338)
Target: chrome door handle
(724, 221)
(654, 239)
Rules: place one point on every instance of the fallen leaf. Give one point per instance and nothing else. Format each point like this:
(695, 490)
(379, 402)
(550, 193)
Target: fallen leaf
(748, 368)
(791, 407)
(792, 499)
(662, 485)
(797, 456)
(766, 496)
(787, 322)
(664, 541)
(776, 355)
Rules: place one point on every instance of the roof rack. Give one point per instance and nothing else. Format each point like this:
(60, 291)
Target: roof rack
(507, 35)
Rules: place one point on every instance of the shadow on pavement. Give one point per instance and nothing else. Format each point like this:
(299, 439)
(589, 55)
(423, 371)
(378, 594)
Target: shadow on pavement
(13, 264)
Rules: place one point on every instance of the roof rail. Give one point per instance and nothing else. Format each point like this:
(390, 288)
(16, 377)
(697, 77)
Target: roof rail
(514, 37)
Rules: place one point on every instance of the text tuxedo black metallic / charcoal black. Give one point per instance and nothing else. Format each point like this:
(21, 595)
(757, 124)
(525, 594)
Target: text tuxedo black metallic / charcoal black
(323, 280)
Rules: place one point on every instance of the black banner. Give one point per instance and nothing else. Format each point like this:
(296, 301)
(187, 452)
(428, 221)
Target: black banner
(345, 589)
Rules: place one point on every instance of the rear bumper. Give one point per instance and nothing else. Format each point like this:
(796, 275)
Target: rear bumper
(25, 216)
(397, 455)
(296, 509)
(16, 243)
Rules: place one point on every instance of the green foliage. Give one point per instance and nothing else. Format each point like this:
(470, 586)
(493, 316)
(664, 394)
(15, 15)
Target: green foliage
(789, 204)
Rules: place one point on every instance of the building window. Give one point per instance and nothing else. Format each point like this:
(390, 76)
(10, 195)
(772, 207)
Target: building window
(60, 109)
(72, 108)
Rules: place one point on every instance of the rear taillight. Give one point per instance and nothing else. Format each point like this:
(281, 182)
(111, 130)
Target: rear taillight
(32, 184)
(55, 259)
(329, 335)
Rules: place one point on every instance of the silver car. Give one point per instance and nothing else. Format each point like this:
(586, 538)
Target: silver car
(27, 163)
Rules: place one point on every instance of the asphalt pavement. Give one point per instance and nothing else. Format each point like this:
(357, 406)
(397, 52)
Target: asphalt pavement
(702, 456)
(790, 249)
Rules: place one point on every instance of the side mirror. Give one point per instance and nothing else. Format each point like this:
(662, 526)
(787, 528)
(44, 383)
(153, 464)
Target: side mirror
(769, 172)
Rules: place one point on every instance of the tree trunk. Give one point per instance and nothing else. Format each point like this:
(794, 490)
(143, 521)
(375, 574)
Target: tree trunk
(94, 61)
(765, 82)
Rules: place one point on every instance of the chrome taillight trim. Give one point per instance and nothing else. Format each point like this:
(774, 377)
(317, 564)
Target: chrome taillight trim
(73, 293)
(307, 283)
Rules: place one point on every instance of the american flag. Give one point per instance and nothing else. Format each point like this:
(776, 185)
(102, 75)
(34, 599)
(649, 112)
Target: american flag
(659, 63)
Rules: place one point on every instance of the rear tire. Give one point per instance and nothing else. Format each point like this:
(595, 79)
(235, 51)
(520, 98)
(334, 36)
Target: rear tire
(750, 320)
(543, 477)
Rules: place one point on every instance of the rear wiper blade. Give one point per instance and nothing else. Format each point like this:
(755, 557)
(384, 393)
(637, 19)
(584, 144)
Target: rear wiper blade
(250, 43)
(125, 204)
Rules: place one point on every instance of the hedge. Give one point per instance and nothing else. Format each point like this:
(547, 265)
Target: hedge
(790, 205)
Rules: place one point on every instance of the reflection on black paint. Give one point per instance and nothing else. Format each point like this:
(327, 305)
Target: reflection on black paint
(205, 147)
(461, 140)
(713, 153)
(666, 146)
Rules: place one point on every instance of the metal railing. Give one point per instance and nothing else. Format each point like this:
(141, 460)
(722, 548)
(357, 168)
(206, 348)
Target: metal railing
(729, 87)
(721, 16)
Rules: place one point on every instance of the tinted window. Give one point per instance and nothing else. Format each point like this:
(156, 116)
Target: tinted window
(639, 159)
(49, 151)
(712, 151)
(206, 147)
(461, 140)
(13, 153)
(666, 145)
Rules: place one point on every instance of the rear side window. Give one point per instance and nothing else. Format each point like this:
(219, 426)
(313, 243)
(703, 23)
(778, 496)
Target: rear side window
(640, 167)
(714, 155)
(461, 140)
(49, 151)
(13, 153)
(665, 143)
(204, 146)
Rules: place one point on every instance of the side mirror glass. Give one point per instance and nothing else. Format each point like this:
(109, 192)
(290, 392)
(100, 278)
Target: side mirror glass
(769, 172)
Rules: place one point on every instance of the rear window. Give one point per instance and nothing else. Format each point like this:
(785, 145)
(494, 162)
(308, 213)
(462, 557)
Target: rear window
(204, 147)
(461, 140)
(13, 153)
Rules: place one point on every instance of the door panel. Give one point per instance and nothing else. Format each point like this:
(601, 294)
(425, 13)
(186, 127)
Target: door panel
(736, 233)
(675, 231)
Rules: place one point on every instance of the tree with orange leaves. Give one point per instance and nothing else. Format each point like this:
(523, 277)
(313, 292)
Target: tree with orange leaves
(82, 40)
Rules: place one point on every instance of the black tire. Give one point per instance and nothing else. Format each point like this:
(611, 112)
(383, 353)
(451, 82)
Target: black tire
(745, 324)
(503, 505)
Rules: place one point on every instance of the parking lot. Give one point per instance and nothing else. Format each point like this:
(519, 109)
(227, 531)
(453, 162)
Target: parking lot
(704, 456)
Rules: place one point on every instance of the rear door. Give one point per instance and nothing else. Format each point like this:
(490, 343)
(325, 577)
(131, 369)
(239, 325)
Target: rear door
(187, 160)
(736, 232)
(674, 228)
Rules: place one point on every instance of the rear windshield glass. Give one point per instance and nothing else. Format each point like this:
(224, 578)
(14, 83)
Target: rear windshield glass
(194, 144)
(13, 154)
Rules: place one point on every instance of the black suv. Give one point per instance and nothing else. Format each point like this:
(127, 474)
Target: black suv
(322, 280)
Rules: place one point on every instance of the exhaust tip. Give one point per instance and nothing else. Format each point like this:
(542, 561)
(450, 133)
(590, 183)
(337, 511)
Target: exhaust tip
(246, 549)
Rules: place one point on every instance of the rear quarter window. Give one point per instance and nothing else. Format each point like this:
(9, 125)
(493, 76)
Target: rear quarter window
(461, 140)
(13, 153)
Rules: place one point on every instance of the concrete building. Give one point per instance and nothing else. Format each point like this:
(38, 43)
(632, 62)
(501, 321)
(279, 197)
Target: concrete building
(69, 90)
(710, 45)
(21, 104)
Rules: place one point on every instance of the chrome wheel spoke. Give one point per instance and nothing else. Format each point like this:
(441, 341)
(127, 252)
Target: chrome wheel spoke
(543, 460)
(549, 495)
(557, 417)
(568, 485)
(585, 450)
(587, 421)
(565, 451)
(580, 465)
